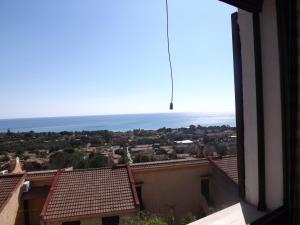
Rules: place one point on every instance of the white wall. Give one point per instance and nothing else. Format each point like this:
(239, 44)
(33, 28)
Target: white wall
(249, 99)
(272, 105)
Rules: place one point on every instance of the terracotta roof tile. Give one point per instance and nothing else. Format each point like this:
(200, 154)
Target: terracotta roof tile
(46, 173)
(228, 165)
(167, 163)
(8, 183)
(92, 191)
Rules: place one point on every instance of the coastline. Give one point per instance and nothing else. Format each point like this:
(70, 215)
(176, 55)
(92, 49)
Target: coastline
(117, 122)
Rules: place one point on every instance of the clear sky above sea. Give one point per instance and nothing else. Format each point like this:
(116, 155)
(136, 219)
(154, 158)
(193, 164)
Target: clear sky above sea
(92, 57)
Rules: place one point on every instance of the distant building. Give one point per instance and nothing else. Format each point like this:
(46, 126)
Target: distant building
(146, 150)
(184, 142)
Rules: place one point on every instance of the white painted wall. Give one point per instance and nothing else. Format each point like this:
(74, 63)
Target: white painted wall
(249, 98)
(272, 105)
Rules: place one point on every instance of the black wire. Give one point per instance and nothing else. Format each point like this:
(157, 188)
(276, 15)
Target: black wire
(169, 54)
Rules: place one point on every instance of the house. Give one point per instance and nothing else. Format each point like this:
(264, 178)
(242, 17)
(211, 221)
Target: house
(184, 143)
(146, 150)
(108, 195)
(91, 196)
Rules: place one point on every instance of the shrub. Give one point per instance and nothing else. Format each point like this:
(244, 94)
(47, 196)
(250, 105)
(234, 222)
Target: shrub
(187, 218)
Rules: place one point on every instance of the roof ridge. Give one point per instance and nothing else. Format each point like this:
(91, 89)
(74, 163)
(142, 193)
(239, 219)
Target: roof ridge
(42, 171)
(49, 197)
(132, 185)
(170, 161)
(99, 168)
(12, 175)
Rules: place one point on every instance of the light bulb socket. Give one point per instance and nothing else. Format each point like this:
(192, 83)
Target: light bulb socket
(171, 106)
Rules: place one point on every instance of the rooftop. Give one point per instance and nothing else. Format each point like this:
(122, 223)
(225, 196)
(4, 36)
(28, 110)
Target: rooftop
(90, 192)
(228, 165)
(45, 173)
(8, 183)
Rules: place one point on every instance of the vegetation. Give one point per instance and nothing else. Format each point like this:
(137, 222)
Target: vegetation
(96, 160)
(87, 149)
(219, 148)
(187, 218)
(149, 221)
(141, 158)
(145, 218)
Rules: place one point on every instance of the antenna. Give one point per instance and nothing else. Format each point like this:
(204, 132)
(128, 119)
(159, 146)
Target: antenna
(169, 54)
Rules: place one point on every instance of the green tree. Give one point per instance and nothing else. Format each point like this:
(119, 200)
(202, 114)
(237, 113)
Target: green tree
(5, 157)
(124, 159)
(19, 153)
(77, 160)
(57, 160)
(80, 164)
(192, 129)
(107, 135)
(221, 149)
(69, 150)
(141, 158)
(97, 160)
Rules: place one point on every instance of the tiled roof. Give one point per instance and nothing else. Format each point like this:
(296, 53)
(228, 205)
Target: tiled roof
(8, 183)
(228, 165)
(46, 173)
(168, 163)
(90, 192)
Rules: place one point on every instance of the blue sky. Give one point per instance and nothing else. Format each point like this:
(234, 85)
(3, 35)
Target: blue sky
(92, 57)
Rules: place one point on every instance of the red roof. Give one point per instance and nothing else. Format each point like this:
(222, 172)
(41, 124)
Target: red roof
(228, 165)
(38, 174)
(8, 183)
(90, 192)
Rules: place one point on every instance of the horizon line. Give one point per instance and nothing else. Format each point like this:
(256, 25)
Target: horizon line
(115, 114)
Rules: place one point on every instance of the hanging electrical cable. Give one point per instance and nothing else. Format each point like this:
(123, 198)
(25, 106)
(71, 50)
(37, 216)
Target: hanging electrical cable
(169, 54)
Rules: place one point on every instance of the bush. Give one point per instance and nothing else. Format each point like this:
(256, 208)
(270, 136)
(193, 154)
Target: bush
(97, 160)
(144, 220)
(62, 159)
(187, 218)
(5, 158)
(141, 158)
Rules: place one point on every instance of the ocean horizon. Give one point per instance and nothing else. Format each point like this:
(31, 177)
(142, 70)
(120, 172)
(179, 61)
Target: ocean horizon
(119, 122)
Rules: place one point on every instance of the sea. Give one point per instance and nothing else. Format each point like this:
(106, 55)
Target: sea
(124, 122)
